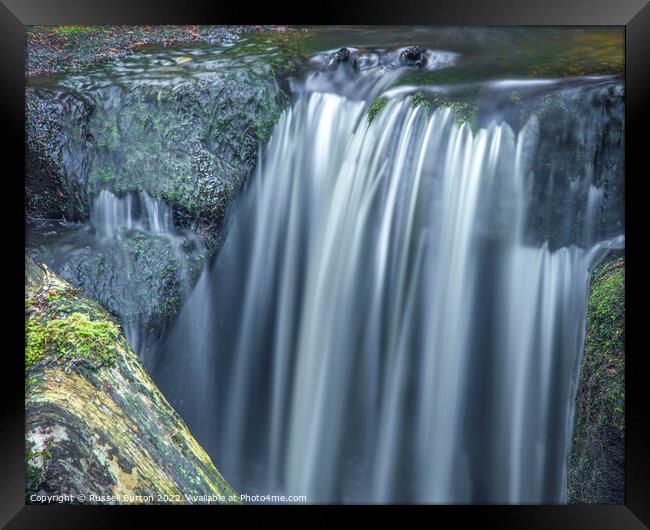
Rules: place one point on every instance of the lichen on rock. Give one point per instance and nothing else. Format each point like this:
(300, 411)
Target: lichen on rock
(96, 424)
(596, 468)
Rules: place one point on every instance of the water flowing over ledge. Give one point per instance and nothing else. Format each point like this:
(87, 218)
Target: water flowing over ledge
(393, 307)
(386, 320)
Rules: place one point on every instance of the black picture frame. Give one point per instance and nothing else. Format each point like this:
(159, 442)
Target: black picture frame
(633, 14)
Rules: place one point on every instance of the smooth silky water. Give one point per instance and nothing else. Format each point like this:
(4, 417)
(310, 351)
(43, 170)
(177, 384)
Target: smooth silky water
(386, 320)
(397, 311)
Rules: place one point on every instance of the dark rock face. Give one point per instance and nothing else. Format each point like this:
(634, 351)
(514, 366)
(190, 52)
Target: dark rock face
(596, 468)
(413, 56)
(192, 144)
(341, 57)
(97, 427)
(584, 144)
(582, 131)
(57, 155)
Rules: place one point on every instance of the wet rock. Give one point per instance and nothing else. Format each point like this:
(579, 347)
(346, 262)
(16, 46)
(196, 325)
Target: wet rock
(192, 144)
(582, 128)
(582, 150)
(413, 56)
(341, 57)
(141, 278)
(596, 467)
(57, 155)
(97, 427)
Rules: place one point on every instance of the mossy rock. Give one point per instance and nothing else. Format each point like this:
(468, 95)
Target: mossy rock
(96, 424)
(376, 107)
(596, 471)
(192, 142)
(141, 278)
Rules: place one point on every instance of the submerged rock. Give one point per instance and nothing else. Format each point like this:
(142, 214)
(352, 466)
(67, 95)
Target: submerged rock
(596, 469)
(96, 424)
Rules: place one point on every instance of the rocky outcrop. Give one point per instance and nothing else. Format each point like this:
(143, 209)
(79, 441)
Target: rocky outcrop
(596, 472)
(579, 159)
(191, 143)
(181, 130)
(97, 428)
(57, 155)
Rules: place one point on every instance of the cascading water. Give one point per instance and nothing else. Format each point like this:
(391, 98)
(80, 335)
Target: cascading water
(112, 217)
(397, 311)
(107, 255)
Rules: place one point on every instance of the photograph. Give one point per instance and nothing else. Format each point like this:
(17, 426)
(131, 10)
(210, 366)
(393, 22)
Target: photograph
(325, 264)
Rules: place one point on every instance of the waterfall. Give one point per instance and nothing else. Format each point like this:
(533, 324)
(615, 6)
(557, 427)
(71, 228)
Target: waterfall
(111, 214)
(386, 321)
(113, 218)
(131, 257)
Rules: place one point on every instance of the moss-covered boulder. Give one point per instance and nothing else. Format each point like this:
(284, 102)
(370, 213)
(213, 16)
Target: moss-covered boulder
(97, 428)
(183, 125)
(191, 142)
(596, 472)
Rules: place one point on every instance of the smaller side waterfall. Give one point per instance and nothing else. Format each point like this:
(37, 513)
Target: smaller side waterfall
(133, 259)
(118, 220)
(111, 214)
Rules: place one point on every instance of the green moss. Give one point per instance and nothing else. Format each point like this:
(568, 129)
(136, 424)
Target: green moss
(62, 324)
(419, 100)
(596, 464)
(68, 31)
(74, 335)
(605, 342)
(376, 107)
(111, 426)
(464, 112)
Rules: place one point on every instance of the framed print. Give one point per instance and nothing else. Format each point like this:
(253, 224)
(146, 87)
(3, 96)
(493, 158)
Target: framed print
(375, 261)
